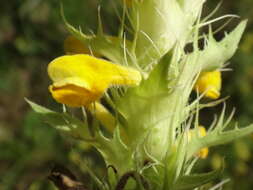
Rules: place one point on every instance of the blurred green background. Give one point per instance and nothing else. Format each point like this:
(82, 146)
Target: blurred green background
(32, 34)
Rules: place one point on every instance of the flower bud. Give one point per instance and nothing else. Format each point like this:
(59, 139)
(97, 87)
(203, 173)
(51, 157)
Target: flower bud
(209, 83)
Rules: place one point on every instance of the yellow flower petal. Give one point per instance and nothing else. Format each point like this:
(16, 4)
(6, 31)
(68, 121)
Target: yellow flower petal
(203, 153)
(81, 79)
(209, 83)
(202, 131)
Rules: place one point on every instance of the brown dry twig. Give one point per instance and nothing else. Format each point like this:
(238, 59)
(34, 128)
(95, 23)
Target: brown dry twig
(64, 179)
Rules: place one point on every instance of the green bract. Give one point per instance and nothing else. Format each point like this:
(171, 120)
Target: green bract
(149, 142)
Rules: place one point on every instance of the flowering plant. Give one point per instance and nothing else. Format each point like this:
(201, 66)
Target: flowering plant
(134, 90)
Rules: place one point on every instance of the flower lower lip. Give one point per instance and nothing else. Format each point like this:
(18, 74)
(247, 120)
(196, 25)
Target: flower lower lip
(72, 95)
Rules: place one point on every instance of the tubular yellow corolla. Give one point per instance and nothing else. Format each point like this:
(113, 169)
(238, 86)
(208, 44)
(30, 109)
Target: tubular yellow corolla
(81, 79)
(203, 153)
(209, 83)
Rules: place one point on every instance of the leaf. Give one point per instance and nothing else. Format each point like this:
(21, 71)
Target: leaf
(189, 182)
(155, 175)
(154, 86)
(216, 53)
(175, 162)
(146, 104)
(112, 47)
(37, 108)
(112, 176)
(213, 138)
(115, 152)
(62, 122)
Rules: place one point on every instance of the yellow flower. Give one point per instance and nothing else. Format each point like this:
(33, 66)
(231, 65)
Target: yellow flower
(203, 153)
(81, 79)
(74, 46)
(209, 83)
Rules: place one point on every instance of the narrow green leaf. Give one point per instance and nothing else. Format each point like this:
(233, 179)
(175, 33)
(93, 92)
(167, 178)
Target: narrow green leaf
(62, 122)
(174, 163)
(190, 182)
(214, 138)
(38, 108)
(112, 176)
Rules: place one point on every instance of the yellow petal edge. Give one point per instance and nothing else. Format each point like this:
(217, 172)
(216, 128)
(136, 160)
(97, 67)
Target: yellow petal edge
(81, 79)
